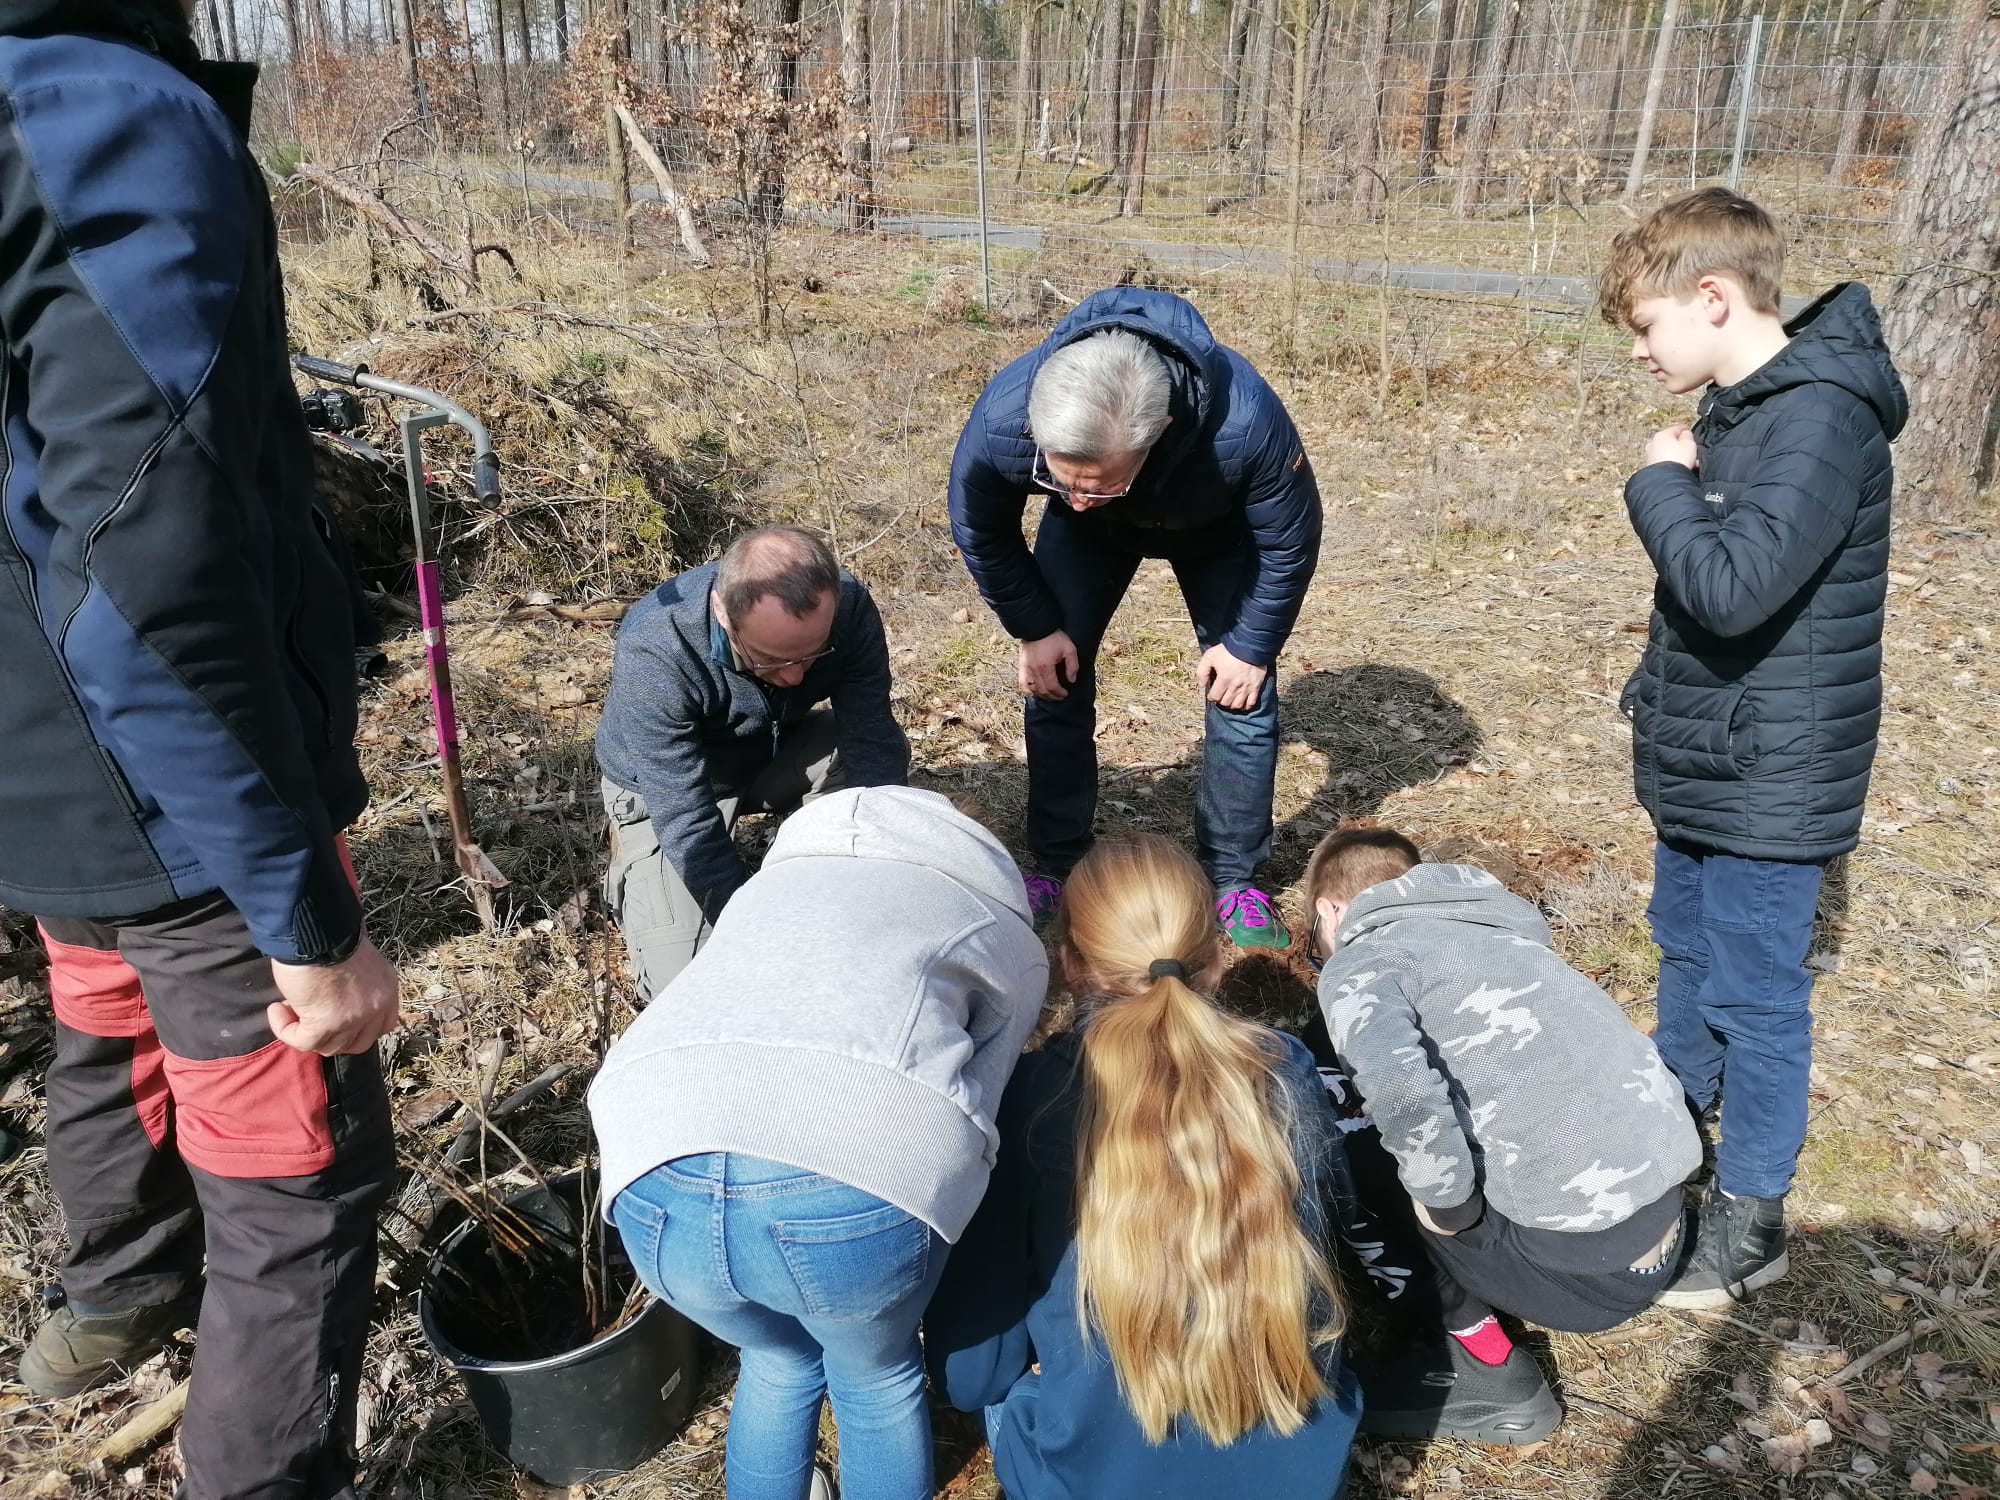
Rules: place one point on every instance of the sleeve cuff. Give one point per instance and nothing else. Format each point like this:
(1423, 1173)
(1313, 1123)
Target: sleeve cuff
(1459, 1216)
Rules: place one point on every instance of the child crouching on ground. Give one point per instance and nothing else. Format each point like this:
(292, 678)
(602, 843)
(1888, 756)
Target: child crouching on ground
(1538, 1135)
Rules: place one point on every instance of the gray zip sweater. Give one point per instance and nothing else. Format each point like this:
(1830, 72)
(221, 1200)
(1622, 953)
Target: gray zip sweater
(857, 1012)
(1494, 1071)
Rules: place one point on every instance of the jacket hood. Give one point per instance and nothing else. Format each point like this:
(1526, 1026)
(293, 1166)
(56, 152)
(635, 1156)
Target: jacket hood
(1171, 325)
(906, 825)
(1837, 340)
(159, 24)
(1447, 893)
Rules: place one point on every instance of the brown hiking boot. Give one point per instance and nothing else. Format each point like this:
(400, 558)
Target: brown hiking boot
(74, 1352)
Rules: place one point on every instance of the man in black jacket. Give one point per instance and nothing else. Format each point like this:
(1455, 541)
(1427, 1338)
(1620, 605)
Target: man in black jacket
(1756, 706)
(178, 718)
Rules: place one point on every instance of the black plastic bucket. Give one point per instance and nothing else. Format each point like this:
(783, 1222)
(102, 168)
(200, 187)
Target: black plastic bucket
(580, 1414)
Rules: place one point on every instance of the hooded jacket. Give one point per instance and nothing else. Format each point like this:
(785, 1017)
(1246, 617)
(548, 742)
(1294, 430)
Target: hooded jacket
(1495, 1072)
(856, 1013)
(1229, 464)
(1756, 706)
(177, 698)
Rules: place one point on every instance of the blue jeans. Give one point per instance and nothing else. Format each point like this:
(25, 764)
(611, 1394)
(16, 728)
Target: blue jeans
(1239, 758)
(1735, 1002)
(821, 1286)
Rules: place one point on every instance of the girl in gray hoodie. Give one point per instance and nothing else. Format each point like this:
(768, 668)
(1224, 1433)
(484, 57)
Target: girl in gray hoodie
(799, 1125)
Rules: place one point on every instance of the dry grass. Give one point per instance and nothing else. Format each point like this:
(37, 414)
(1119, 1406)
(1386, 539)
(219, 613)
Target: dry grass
(1454, 673)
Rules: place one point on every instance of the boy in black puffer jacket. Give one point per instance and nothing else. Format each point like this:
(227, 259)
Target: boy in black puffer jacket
(1756, 706)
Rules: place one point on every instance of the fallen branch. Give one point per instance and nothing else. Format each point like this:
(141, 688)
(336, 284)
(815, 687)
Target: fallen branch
(663, 180)
(1875, 1356)
(468, 1138)
(373, 205)
(142, 1431)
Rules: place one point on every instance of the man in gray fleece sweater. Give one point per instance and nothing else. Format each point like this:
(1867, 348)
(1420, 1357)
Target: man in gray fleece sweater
(1540, 1138)
(713, 711)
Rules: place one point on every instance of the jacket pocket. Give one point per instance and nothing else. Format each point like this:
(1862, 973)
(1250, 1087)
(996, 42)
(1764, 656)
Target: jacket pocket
(1743, 732)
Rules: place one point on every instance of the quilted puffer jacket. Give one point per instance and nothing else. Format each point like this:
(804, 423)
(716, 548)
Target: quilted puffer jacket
(1756, 706)
(1230, 459)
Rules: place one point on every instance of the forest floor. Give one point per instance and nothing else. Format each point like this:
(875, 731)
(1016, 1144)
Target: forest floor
(1479, 602)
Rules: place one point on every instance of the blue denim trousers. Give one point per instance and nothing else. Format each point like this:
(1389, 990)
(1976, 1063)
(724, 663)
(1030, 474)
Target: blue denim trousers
(822, 1287)
(1735, 1002)
(1239, 756)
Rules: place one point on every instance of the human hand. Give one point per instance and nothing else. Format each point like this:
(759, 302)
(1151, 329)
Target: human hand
(1673, 445)
(336, 1008)
(1228, 682)
(1048, 666)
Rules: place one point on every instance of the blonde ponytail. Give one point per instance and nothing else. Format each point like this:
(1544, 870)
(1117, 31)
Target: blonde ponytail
(1192, 1264)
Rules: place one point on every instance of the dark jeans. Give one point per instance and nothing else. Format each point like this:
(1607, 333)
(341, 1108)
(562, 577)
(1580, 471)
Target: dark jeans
(1239, 760)
(1577, 1282)
(1735, 1014)
(180, 1131)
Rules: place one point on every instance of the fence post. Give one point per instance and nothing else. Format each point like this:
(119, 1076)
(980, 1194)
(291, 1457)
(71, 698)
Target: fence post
(979, 147)
(1744, 93)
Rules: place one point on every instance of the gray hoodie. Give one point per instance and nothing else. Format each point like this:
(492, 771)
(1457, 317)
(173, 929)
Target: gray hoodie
(857, 1012)
(1489, 1065)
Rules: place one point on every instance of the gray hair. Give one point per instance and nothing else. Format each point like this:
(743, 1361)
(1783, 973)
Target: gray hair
(1100, 397)
(782, 562)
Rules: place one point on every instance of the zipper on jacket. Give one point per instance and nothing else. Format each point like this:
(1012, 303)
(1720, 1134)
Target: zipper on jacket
(6, 521)
(97, 529)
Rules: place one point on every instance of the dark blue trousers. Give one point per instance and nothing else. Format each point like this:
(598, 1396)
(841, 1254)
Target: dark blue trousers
(1239, 760)
(1735, 1002)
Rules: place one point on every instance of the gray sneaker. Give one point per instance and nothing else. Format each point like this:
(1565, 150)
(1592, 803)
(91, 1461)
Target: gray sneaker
(822, 1484)
(74, 1352)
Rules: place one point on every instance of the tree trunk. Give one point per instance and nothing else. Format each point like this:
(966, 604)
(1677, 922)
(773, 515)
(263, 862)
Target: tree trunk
(1944, 320)
(1111, 75)
(785, 84)
(1607, 125)
(1370, 149)
(1486, 107)
(1440, 75)
(418, 98)
(526, 36)
(1649, 112)
(1235, 36)
(1143, 47)
(500, 68)
(235, 39)
(559, 9)
(1859, 103)
(1257, 119)
(857, 203)
(1024, 84)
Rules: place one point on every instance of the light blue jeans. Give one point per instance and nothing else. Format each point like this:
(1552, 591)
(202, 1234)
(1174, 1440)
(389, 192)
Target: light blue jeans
(821, 1286)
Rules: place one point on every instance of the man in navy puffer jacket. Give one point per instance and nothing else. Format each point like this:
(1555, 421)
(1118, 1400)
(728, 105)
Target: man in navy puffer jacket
(1145, 438)
(1756, 707)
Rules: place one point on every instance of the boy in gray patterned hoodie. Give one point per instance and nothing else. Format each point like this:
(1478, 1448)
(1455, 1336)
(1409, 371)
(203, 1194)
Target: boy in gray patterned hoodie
(1542, 1141)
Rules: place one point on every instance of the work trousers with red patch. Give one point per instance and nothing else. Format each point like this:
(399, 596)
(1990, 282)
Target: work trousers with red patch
(184, 1138)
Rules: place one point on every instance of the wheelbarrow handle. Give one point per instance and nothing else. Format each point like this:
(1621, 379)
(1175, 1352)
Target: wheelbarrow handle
(486, 476)
(326, 369)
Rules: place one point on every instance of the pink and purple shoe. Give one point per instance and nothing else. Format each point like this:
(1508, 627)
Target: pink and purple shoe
(1251, 920)
(1044, 898)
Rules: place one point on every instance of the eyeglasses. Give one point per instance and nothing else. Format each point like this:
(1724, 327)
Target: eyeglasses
(1045, 480)
(1313, 955)
(751, 663)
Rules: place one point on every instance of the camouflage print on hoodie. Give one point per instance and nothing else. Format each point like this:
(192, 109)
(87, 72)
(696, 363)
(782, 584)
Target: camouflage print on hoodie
(1492, 1067)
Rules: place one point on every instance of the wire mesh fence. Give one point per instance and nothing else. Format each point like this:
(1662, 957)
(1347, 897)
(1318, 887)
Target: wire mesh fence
(1454, 169)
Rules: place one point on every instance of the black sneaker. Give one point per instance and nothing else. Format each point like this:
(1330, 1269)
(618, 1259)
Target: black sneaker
(1450, 1393)
(1739, 1246)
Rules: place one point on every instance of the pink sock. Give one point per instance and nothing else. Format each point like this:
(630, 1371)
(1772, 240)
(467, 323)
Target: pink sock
(1486, 1341)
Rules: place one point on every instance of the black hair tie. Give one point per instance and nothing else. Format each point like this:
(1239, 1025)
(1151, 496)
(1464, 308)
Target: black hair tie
(1168, 968)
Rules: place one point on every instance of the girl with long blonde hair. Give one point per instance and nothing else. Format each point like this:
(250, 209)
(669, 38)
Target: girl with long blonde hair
(1154, 1237)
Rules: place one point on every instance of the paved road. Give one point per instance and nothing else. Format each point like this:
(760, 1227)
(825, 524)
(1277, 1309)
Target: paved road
(1560, 293)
